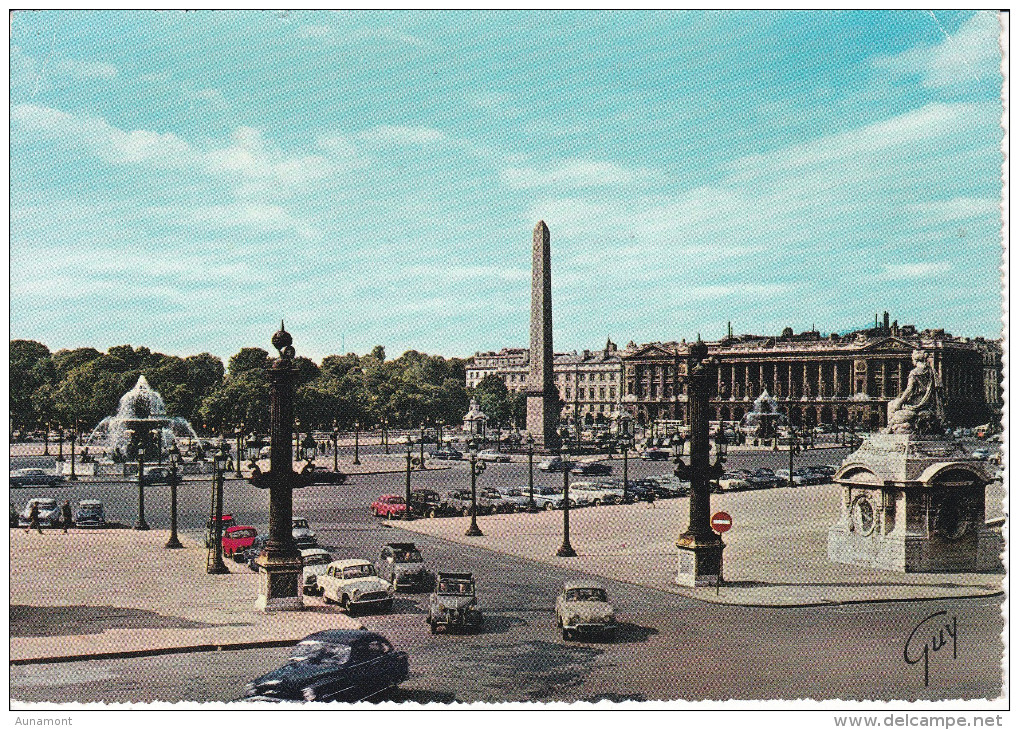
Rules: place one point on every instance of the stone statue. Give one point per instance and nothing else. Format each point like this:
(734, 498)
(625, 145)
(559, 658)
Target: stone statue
(918, 409)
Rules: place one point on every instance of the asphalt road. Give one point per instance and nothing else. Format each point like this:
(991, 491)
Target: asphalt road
(669, 647)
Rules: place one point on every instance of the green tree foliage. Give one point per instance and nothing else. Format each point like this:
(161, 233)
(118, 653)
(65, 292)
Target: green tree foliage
(494, 398)
(86, 385)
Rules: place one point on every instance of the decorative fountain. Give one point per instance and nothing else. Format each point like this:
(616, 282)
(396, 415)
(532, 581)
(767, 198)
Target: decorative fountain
(141, 418)
(764, 419)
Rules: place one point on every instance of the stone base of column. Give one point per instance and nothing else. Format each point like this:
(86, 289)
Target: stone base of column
(699, 562)
(279, 584)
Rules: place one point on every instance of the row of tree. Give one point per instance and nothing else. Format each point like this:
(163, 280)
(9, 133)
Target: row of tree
(84, 385)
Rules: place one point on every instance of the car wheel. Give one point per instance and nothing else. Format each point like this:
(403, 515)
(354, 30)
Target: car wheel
(549, 506)
(567, 634)
(431, 513)
(595, 502)
(466, 512)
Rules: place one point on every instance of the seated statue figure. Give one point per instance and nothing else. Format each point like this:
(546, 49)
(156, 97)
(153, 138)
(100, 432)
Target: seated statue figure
(918, 408)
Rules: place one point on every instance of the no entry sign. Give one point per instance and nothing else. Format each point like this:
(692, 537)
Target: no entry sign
(721, 522)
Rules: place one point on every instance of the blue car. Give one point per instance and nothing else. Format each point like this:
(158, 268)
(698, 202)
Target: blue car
(340, 665)
(252, 552)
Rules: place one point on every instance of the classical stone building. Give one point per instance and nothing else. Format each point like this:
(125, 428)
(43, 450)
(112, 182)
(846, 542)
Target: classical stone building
(837, 379)
(589, 382)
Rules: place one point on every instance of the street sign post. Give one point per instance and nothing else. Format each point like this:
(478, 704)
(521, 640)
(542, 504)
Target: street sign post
(720, 522)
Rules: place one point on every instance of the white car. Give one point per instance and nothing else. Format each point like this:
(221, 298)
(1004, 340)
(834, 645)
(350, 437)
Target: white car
(586, 493)
(583, 608)
(354, 584)
(492, 455)
(49, 512)
(315, 561)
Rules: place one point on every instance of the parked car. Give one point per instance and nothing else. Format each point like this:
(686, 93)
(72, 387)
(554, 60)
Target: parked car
(655, 454)
(401, 564)
(592, 468)
(459, 502)
(35, 478)
(156, 475)
(826, 469)
(497, 504)
(389, 505)
(809, 476)
(90, 514)
(981, 454)
(339, 665)
(304, 536)
(517, 496)
(493, 455)
(254, 550)
(782, 478)
(556, 463)
(446, 454)
(762, 479)
(323, 476)
(353, 584)
(454, 603)
(49, 512)
(732, 482)
(583, 608)
(549, 498)
(314, 563)
(589, 493)
(428, 503)
(237, 539)
(228, 522)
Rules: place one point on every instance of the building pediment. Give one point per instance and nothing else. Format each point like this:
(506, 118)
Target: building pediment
(653, 350)
(889, 344)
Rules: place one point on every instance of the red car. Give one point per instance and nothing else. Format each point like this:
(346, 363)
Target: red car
(389, 505)
(237, 539)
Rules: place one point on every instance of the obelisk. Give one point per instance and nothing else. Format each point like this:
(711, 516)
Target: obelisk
(542, 395)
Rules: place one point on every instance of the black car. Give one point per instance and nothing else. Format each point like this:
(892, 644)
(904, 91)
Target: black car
(447, 454)
(340, 665)
(655, 454)
(590, 468)
(35, 478)
(158, 475)
(428, 503)
(320, 476)
(762, 479)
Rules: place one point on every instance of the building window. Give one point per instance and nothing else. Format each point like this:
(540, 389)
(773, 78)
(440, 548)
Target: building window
(601, 376)
(567, 394)
(612, 393)
(601, 393)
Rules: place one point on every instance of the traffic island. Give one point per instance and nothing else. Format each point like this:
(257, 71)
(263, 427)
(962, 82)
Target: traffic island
(775, 555)
(132, 597)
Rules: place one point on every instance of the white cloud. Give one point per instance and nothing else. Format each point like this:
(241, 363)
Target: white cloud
(916, 270)
(957, 209)
(402, 135)
(29, 71)
(573, 173)
(242, 214)
(972, 53)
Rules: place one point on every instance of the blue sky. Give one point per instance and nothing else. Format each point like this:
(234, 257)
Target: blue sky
(183, 180)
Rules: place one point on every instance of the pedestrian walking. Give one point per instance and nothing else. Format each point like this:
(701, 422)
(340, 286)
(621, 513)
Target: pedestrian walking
(651, 498)
(33, 519)
(65, 515)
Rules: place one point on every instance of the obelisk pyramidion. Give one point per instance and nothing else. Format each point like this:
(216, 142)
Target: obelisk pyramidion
(542, 395)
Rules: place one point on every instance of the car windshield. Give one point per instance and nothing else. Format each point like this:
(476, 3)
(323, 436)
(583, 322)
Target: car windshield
(407, 556)
(394, 500)
(320, 559)
(300, 523)
(319, 652)
(90, 509)
(242, 533)
(456, 587)
(586, 594)
(47, 504)
(358, 571)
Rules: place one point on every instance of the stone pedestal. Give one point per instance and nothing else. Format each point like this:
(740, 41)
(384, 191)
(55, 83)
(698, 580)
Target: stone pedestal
(699, 561)
(913, 504)
(279, 583)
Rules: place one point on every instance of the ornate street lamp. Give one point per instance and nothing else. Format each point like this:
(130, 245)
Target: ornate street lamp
(530, 473)
(476, 468)
(700, 547)
(624, 444)
(297, 438)
(385, 433)
(794, 448)
(141, 524)
(60, 445)
(216, 566)
(357, 443)
(174, 455)
(566, 549)
(157, 443)
(336, 451)
(238, 436)
(74, 437)
(46, 440)
(421, 444)
(410, 458)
